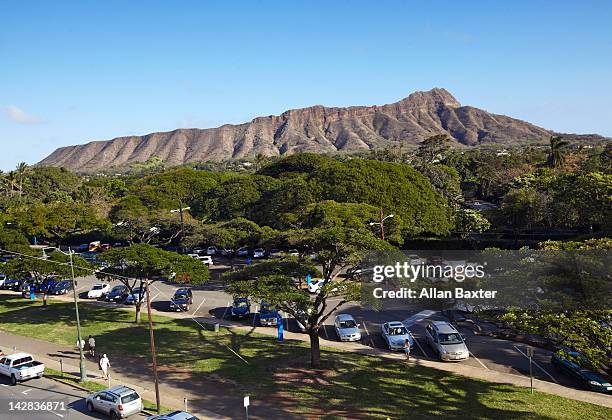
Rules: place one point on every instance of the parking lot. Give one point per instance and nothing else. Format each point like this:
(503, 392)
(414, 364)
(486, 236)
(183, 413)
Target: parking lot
(211, 302)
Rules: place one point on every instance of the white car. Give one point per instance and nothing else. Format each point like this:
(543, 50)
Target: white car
(395, 335)
(315, 285)
(293, 253)
(211, 250)
(98, 290)
(259, 253)
(346, 328)
(206, 259)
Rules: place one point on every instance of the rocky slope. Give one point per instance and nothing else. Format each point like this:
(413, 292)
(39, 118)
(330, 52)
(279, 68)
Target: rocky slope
(315, 129)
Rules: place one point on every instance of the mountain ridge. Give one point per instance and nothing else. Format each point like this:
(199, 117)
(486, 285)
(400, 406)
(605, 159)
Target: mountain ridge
(316, 129)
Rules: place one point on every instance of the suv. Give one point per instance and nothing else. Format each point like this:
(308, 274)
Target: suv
(445, 340)
(181, 300)
(118, 402)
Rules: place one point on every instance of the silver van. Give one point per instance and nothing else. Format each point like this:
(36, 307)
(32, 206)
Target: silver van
(117, 402)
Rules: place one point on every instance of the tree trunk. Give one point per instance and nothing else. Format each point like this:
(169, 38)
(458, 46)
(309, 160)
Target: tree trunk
(137, 320)
(315, 351)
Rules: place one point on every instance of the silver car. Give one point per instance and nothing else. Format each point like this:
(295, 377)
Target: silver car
(346, 328)
(445, 340)
(175, 415)
(395, 335)
(117, 402)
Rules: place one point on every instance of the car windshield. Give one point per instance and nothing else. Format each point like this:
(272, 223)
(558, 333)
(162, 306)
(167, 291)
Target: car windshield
(98, 287)
(129, 398)
(453, 338)
(181, 295)
(348, 324)
(398, 331)
(118, 289)
(240, 303)
(268, 308)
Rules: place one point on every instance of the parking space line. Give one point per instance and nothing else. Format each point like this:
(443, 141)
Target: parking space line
(537, 365)
(478, 360)
(226, 308)
(199, 306)
(154, 297)
(255, 314)
(420, 347)
(365, 327)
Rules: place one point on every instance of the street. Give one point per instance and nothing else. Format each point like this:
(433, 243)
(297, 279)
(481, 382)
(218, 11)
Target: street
(43, 399)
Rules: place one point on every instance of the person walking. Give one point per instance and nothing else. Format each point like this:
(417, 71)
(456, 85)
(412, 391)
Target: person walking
(104, 365)
(91, 342)
(407, 349)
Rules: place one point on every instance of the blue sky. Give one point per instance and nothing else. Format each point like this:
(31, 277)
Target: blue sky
(73, 72)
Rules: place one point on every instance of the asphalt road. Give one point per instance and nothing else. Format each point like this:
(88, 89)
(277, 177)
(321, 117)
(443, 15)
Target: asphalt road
(54, 400)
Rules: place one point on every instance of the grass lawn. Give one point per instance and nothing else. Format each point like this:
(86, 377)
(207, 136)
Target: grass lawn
(348, 386)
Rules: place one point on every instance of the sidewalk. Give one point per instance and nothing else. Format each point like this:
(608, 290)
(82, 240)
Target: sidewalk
(172, 397)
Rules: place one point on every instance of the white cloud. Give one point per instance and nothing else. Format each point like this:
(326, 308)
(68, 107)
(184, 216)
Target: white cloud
(18, 115)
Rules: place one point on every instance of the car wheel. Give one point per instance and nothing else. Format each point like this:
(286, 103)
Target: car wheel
(90, 407)
(114, 416)
(13, 380)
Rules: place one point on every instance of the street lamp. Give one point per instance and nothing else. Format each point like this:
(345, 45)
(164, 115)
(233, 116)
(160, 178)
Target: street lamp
(82, 371)
(382, 223)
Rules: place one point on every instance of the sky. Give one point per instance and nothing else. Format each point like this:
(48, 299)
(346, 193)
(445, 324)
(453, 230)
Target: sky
(77, 71)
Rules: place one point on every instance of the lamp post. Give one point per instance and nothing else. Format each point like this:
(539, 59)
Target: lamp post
(83, 374)
(382, 223)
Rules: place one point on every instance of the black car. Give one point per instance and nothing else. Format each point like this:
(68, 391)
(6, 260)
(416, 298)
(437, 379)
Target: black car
(118, 294)
(587, 378)
(61, 288)
(13, 284)
(182, 299)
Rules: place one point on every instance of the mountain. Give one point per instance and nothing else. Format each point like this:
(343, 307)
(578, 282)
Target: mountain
(316, 129)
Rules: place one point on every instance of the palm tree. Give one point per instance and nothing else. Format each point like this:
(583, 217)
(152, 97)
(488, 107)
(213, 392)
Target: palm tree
(558, 147)
(22, 170)
(11, 182)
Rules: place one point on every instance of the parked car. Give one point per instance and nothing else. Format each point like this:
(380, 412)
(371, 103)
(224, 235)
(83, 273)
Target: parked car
(259, 253)
(446, 341)
(175, 415)
(395, 335)
(294, 253)
(182, 299)
(138, 295)
(346, 328)
(211, 250)
(274, 253)
(13, 284)
(268, 315)
(315, 285)
(242, 252)
(300, 318)
(98, 290)
(117, 293)
(44, 287)
(117, 402)
(227, 252)
(26, 287)
(241, 308)
(587, 378)
(61, 288)
(20, 367)
(206, 259)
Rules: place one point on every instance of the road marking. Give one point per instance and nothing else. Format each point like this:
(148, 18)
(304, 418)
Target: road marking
(154, 297)
(365, 327)
(409, 322)
(255, 314)
(226, 308)
(199, 306)
(58, 414)
(26, 391)
(325, 331)
(537, 365)
(4, 384)
(421, 348)
(478, 360)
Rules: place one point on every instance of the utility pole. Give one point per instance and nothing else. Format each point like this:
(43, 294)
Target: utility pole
(152, 337)
(78, 320)
(382, 223)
